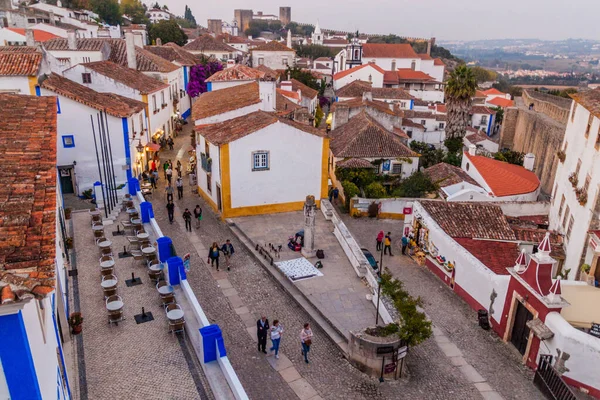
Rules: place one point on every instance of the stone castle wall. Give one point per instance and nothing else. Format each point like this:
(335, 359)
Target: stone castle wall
(557, 108)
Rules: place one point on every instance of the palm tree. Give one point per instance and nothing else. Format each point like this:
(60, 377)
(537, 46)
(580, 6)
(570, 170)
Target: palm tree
(460, 89)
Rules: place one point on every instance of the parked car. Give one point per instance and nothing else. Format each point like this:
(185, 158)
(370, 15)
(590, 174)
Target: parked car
(370, 259)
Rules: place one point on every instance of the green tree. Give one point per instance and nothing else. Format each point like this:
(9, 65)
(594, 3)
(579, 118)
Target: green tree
(453, 159)
(375, 190)
(484, 75)
(509, 156)
(318, 115)
(350, 190)
(429, 155)
(303, 76)
(460, 88)
(361, 177)
(499, 114)
(188, 16)
(135, 10)
(417, 185)
(108, 10)
(314, 51)
(167, 31)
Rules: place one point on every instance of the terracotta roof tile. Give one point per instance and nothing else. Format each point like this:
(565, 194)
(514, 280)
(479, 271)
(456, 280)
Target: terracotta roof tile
(87, 44)
(207, 43)
(438, 62)
(227, 38)
(270, 74)
(236, 128)
(113, 104)
(497, 256)
(341, 74)
(362, 136)
(273, 45)
(358, 102)
(305, 90)
(424, 56)
(19, 49)
(354, 163)
(408, 75)
(501, 102)
(288, 94)
(479, 94)
(477, 136)
(283, 105)
(384, 50)
(27, 196)
(20, 64)
(482, 110)
(589, 99)
(220, 101)
(238, 72)
(38, 34)
(127, 76)
(504, 179)
(444, 174)
(469, 220)
(410, 124)
(174, 53)
(493, 91)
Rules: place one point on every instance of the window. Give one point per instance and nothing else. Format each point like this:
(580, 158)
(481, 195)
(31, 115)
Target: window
(261, 60)
(208, 183)
(155, 109)
(162, 99)
(393, 65)
(564, 224)
(141, 124)
(31, 20)
(86, 77)
(571, 222)
(441, 125)
(573, 113)
(207, 149)
(409, 133)
(589, 125)
(68, 141)
(86, 59)
(423, 122)
(413, 65)
(597, 139)
(260, 161)
(356, 54)
(284, 60)
(467, 166)
(484, 120)
(586, 185)
(562, 204)
(578, 168)
(396, 168)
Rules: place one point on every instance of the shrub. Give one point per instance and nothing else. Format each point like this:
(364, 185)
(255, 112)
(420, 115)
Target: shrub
(350, 190)
(375, 190)
(417, 185)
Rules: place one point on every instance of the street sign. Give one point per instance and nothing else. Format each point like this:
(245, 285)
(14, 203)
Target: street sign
(385, 350)
(186, 262)
(595, 330)
(389, 368)
(402, 351)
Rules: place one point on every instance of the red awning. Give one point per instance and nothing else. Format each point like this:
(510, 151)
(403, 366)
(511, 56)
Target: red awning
(153, 147)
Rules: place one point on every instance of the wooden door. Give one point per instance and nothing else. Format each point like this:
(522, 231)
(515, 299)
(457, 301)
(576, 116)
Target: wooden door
(520, 331)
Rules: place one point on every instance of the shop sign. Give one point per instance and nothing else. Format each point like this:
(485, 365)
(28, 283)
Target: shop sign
(402, 351)
(385, 350)
(407, 211)
(595, 330)
(389, 368)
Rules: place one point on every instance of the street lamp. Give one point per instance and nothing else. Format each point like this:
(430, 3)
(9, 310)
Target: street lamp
(379, 283)
(139, 147)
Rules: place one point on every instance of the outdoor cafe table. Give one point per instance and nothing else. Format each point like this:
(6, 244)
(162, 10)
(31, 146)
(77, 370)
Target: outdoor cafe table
(143, 235)
(148, 250)
(136, 220)
(108, 283)
(131, 211)
(114, 305)
(107, 264)
(156, 267)
(167, 289)
(98, 227)
(174, 315)
(95, 212)
(105, 244)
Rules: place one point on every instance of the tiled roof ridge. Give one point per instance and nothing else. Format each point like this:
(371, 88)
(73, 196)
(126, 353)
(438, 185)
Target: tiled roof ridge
(273, 45)
(127, 76)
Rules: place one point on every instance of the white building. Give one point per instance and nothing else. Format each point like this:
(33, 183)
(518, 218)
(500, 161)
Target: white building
(577, 183)
(417, 83)
(18, 37)
(80, 145)
(208, 46)
(294, 89)
(238, 43)
(317, 36)
(482, 119)
(240, 158)
(481, 140)
(397, 98)
(500, 180)
(366, 73)
(156, 15)
(33, 293)
(235, 75)
(274, 55)
(20, 66)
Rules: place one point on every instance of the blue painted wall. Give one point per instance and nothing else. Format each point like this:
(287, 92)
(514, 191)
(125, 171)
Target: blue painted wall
(127, 149)
(16, 358)
(185, 78)
(489, 127)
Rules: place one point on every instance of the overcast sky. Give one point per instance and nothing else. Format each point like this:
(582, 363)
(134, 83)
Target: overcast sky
(443, 19)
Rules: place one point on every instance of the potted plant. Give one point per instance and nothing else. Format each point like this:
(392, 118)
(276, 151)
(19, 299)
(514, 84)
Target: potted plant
(75, 321)
(573, 179)
(582, 197)
(561, 155)
(586, 268)
(67, 213)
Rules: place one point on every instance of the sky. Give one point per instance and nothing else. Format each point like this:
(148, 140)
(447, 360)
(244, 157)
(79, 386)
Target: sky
(442, 19)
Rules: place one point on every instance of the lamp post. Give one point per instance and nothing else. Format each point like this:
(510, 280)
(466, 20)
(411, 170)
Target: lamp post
(379, 283)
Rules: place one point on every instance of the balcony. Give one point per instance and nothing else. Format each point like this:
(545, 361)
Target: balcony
(206, 163)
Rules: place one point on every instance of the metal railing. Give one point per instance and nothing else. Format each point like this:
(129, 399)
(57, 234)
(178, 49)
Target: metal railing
(549, 382)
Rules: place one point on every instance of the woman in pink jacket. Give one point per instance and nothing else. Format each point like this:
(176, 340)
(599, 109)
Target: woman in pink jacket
(306, 340)
(380, 236)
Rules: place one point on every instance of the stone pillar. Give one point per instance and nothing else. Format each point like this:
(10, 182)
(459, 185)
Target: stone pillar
(310, 210)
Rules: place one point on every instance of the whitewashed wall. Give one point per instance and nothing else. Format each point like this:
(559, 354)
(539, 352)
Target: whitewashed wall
(77, 57)
(273, 59)
(215, 168)
(428, 95)
(229, 115)
(386, 63)
(360, 75)
(18, 84)
(225, 84)
(295, 170)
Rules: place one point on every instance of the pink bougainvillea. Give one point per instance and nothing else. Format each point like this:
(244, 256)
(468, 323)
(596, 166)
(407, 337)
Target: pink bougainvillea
(198, 76)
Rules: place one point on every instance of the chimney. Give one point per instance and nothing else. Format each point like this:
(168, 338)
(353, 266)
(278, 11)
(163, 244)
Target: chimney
(367, 96)
(472, 150)
(158, 41)
(287, 86)
(51, 17)
(529, 161)
(289, 38)
(130, 50)
(72, 40)
(138, 40)
(29, 39)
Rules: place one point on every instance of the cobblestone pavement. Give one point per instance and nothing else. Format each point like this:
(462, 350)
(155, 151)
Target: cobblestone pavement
(329, 373)
(129, 361)
(495, 360)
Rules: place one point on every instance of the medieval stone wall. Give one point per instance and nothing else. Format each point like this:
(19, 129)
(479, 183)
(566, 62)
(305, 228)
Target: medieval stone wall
(557, 108)
(534, 132)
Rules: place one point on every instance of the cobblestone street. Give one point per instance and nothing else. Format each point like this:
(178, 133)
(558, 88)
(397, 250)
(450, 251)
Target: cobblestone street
(431, 377)
(499, 363)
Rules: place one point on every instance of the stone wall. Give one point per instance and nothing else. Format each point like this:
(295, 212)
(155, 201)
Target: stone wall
(362, 351)
(534, 132)
(557, 108)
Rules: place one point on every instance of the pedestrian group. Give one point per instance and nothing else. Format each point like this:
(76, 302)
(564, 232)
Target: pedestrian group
(275, 332)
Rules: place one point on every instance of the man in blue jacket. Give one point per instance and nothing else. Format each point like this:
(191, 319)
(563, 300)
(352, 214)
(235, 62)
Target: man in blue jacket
(228, 251)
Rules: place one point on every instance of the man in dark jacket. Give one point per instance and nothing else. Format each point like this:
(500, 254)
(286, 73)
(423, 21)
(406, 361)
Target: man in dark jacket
(228, 251)
(262, 329)
(170, 211)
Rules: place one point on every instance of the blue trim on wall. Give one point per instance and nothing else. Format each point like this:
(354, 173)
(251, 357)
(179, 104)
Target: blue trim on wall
(60, 350)
(127, 150)
(185, 78)
(186, 114)
(16, 358)
(65, 144)
(38, 91)
(209, 86)
(412, 104)
(489, 127)
(57, 105)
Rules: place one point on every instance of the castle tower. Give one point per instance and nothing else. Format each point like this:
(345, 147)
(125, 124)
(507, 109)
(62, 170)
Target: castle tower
(285, 15)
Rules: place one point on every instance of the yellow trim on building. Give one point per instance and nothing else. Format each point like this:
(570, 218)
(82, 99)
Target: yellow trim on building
(325, 168)
(225, 179)
(32, 84)
(266, 209)
(145, 101)
(390, 216)
(208, 199)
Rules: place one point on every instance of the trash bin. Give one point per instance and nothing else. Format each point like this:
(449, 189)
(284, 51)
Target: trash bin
(164, 248)
(146, 211)
(211, 335)
(484, 322)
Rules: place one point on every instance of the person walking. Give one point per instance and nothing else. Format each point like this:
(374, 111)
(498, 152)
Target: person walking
(380, 240)
(165, 167)
(228, 251)
(171, 143)
(404, 244)
(152, 180)
(169, 190)
(187, 216)
(387, 241)
(169, 174)
(178, 168)
(306, 336)
(336, 193)
(155, 174)
(198, 215)
(262, 328)
(330, 194)
(213, 255)
(276, 331)
(170, 211)
(179, 185)
(153, 166)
